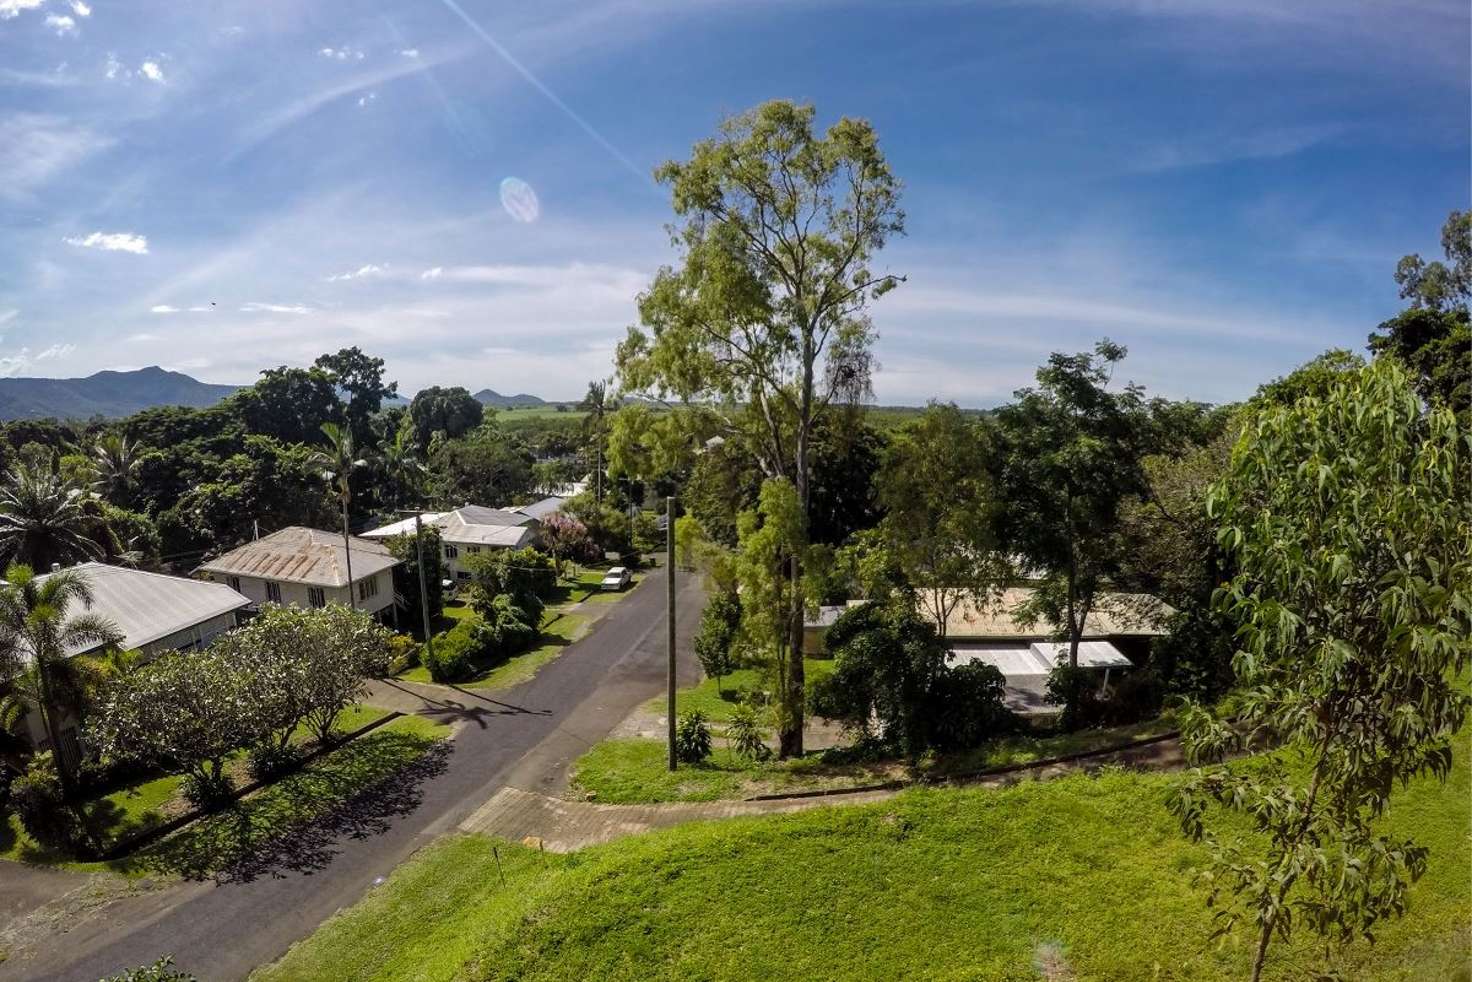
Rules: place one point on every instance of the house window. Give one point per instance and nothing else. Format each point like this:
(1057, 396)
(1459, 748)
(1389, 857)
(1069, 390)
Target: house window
(367, 588)
(316, 597)
(472, 549)
(235, 583)
(450, 551)
(273, 592)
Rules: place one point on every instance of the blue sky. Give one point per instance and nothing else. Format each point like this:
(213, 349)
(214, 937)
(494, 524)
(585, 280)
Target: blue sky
(220, 187)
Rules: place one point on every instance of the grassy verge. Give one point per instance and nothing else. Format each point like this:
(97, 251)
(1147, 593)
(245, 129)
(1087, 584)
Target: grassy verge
(1087, 875)
(132, 810)
(717, 702)
(556, 636)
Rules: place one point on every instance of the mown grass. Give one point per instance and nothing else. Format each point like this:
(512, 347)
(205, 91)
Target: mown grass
(556, 635)
(332, 778)
(1084, 872)
(1090, 873)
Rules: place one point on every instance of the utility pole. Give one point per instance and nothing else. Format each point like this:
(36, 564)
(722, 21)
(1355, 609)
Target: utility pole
(669, 571)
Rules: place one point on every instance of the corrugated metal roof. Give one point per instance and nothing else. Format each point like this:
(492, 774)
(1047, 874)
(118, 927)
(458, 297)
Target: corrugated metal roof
(1115, 615)
(1091, 654)
(1039, 657)
(478, 515)
(401, 527)
(541, 509)
(303, 555)
(149, 606)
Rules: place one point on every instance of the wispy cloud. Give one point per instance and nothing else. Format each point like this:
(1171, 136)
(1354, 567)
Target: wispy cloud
(163, 308)
(342, 54)
(367, 271)
(111, 242)
(151, 71)
(255, 307)
(81, 9)
(56, 352)
(144, 337)
(1226, 148)
(364, 100)
(61, 24)
(6, 316)
(35, 148)
(409, 52)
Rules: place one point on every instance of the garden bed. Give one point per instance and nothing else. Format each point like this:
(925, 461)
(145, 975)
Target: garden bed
(148, 807)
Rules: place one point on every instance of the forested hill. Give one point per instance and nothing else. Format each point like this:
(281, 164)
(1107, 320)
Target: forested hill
(110, 394)
(490, 397)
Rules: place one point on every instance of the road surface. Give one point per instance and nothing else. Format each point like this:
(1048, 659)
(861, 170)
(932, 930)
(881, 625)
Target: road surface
(523, 736)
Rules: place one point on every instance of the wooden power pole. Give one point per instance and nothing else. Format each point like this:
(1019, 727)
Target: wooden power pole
(669, 572)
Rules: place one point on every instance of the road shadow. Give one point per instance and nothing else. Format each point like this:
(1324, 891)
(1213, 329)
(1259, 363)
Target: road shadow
(475, 707)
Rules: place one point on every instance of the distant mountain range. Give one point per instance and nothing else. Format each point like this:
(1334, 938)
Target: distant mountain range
(109, 394)
(490, 397)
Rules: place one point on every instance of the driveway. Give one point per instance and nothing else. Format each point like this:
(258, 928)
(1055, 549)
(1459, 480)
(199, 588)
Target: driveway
(522, 737)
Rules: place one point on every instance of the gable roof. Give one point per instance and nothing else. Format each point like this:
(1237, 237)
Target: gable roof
(404, 526)
(541, 509)
(148, 606)
(478, 515)
(1115, 615)
(303, 555)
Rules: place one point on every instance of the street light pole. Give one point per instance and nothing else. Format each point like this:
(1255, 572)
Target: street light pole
(669, 566)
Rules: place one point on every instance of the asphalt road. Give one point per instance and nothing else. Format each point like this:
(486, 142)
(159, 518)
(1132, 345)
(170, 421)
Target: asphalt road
(524, 736)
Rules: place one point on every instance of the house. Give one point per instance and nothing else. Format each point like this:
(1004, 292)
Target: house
(155, 614)
(1116, 636)
(473, 530)
(309, 568)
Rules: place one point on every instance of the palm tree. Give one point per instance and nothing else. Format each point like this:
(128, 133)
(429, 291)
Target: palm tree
(36, 638)
(116, 459)
(595, 405)
(338, 462)
(42, 520)
(401, 462)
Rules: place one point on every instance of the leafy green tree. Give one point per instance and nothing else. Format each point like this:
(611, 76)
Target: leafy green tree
(890, 669)
(527, 576)
(1347, 518)
(290, 404)
(406, 576)
(941, 512)
(768, 307)
(715, 642)
(608, 528)
(39, 630)
(360, 378)
(1071, 456)
(769, 542)
(564, 537)
(1437, 285)
(487, 467)
(42, 520)
(337, 463)
(403, 468)
(452, 411)
(847, 455)
(596, 406)
(1313, 378)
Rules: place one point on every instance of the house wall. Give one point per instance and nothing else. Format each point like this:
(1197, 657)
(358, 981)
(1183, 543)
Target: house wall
(296, 594)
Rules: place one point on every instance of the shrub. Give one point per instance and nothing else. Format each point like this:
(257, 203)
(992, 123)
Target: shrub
(41, 807)
(455, 653)
(692, 738)
(160, 971)
(270, 760)
(403, 653)
(744, 735)
(714, 644)
(967, 708)
(1138, 695)
(207, 791)
(1077, 691)
(508, 627)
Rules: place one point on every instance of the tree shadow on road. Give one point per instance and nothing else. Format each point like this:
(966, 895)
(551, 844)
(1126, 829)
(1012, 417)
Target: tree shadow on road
(299, 823)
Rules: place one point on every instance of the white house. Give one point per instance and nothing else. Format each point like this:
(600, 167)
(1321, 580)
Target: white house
(309, 568)
(155, 614)
(473, 530)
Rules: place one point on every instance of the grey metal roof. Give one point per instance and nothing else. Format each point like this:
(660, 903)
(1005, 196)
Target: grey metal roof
(303, 555)
(541, 509)
(401, 527)
(478, 515)
(148, 606)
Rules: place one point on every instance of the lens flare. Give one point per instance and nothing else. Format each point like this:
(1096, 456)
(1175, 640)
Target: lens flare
(519, 200)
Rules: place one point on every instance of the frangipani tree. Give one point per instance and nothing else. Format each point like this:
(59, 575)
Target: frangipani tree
(1348, 520)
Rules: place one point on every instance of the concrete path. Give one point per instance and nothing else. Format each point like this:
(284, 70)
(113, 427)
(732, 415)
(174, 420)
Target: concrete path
(559, 825)
(219, 929)
(563, 826)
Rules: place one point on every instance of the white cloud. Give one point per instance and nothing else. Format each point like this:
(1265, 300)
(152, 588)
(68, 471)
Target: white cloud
(151, 71)
(56, 351)
(410, 52)
(364, 100)
(81, 9)
(115, 67)
(15, 364)
(615, 280)
(112, 242)
(362, 272)
(163, 308)
(433, 273)
(341, 54)
(274, 308)
(201, 309)
(6, 316)
(61, 24)
(11, 8)
(143, 337)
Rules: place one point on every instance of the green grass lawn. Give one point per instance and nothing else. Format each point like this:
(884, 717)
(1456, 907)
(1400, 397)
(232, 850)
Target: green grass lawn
(985, 884)
(133, 809)
(556, 636)
(717, 702)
